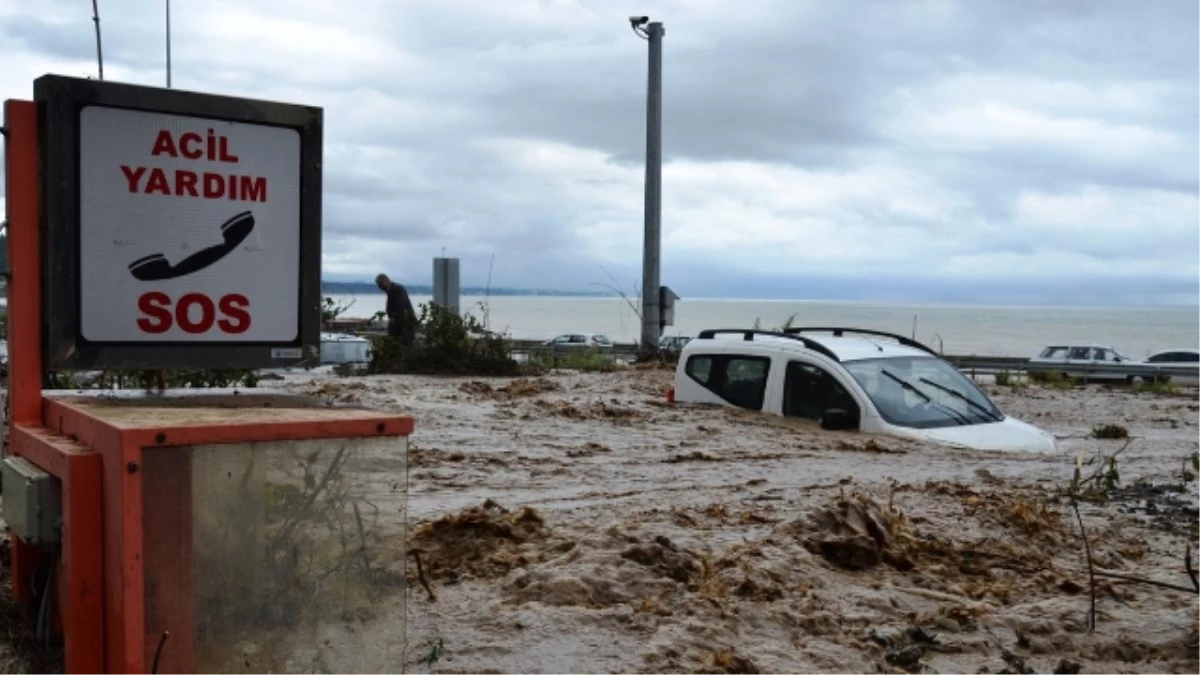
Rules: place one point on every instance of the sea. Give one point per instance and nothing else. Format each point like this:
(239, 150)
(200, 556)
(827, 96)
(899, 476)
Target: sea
(980, 330)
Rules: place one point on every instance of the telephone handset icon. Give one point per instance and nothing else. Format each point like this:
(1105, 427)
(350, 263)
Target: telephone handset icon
(157, 268)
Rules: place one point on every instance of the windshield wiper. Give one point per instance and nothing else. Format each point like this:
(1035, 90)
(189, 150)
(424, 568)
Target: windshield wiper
(905, 384)
(965, 399)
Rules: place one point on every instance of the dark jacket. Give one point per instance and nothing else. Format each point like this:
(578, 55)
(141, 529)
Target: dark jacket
(402, 318)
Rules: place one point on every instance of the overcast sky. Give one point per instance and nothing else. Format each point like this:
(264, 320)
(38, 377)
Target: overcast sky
(1004, 151)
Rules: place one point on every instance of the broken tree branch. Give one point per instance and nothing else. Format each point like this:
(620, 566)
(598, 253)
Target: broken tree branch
(1142, 580)
(615, 288)
(1191, 569)
(421, 575)
(362, 541)
(1087, 550)
(1102, 466)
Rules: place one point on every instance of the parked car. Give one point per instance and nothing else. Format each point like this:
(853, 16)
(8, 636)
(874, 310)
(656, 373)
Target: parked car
(1074, 360)
(1174, 357)
(849, 379)
(1181, 356)
(673, 344)
(579, 341)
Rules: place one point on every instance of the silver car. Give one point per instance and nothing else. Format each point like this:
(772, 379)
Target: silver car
(1075, 360)
(579, 341)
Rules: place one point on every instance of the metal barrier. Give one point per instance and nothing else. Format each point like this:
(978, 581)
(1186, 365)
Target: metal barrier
(968, 364)
(985, 365)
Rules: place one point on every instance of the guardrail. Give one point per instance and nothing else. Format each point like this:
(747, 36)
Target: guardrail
(972, 365)
(969, 364)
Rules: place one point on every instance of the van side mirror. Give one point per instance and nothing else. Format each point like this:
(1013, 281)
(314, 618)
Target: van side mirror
(837, 419)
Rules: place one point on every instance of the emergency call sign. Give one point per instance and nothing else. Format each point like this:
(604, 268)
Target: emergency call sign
(190, 228)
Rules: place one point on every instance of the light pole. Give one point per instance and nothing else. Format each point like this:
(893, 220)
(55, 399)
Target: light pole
(652, 32)
(99, 52)
(168, 44)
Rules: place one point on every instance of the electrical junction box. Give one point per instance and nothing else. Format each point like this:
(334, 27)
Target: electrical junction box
(666, 306)
(32, 502)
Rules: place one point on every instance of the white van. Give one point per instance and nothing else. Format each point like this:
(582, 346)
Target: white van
(849, 379)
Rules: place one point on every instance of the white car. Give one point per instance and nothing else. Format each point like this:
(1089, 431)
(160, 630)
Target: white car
(1074, 360)
(579, 341)
(849, 379)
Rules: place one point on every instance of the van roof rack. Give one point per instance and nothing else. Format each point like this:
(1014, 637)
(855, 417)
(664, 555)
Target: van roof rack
(749, 333)
(840, 332)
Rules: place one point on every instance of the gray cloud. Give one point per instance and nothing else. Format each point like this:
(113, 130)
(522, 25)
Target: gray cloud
(868, 139)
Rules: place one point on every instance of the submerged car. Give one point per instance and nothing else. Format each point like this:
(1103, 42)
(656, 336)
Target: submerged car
(849, 379)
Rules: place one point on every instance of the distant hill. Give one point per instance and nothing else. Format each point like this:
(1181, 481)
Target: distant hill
(365, 287)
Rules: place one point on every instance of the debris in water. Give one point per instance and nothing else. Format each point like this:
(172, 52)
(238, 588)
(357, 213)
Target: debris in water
(520, 388)
(480, 541)
(853, 534)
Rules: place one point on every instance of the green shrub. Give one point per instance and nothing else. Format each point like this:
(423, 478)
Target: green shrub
(1004, 378)
(1054, 378)
(331, 310)
(1157, 387)
(586, 360)
(449, 344)
(1066, 382)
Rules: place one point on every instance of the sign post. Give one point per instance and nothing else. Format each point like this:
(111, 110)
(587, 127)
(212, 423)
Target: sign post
(183, 229)
(156, 229)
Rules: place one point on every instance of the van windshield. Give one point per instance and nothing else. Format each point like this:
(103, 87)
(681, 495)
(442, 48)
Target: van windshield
(922, 392)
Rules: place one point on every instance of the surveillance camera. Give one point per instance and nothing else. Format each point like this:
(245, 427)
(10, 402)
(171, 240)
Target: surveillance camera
(639, 20)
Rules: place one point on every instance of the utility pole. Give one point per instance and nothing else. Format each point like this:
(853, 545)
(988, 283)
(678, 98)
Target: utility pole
(652, 246)
(168, 44)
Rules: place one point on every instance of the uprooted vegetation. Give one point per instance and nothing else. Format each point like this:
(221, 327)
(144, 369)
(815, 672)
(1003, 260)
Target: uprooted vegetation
(482, 542)
(1109, 431)
(519, 388)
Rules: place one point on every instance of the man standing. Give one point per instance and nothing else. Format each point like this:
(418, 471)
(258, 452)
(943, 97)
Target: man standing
(402, 318)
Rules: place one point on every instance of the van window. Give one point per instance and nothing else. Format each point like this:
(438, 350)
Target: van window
(1079, 353)
(1054, 353)
(699, 367)
(739, 380)
(745, 381)
(809, 391)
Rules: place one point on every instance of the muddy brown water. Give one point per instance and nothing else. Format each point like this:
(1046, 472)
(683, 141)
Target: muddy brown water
(578, 524)
(682, 539)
